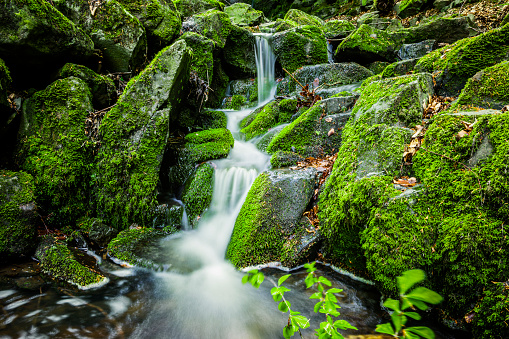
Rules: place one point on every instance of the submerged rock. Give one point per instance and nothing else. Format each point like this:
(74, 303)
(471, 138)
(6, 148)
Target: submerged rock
(268, 227)
(135, 133)
(18, 212)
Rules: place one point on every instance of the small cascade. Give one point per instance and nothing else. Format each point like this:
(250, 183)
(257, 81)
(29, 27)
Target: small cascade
(330, 52)
(265, 64)
(185, 220)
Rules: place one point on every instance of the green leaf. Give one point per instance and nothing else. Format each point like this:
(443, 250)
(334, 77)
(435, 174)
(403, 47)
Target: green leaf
(310, 280)
(284, 289)
(408, 279)
(318, 305)
(419, 304)
(288, 331)
(283, 307)
(408, 335)
(334, 290)
(252, 271)
(320, 287)
(324, 281)
(396, 320)
(385, 328)
(331, 297)
(245, 279)
(301, 321)
(425, 294)
(282, 279)
(294, 312)
(259, 279)
(423, 331)
(413, 315)
(343, 325)
(316, 295)
(310, 267)
(392, 304)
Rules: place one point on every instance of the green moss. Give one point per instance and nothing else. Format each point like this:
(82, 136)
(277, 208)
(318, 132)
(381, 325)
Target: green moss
(453, 65)
(338, 28)
(17, 212)
(211, 119)
(244, 15)
(491, 314)
(284, 25)
(486, 89)
(303, 19)
(214, 25)
(301, 46)
(55, 149)
(128, 243)
(190, 7)
(238, 53)
(203, 59)
(198, 192)
(342, 94)
(5, 77)
(272, 114)
(408, 8)
(219, 85)
(237, 102)
(60, 263)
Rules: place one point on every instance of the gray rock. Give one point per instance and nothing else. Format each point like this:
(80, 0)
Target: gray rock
(191, 7)
(399, 68)
(417, 50)
(442, 30)
(265, 140)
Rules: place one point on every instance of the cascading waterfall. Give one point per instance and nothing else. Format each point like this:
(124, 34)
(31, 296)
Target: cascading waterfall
(330, 52)
(265, 64)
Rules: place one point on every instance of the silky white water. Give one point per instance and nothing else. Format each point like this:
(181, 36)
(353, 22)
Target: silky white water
(265, 67)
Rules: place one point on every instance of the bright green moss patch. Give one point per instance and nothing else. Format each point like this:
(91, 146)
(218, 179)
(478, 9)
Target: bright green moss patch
(190, 7)
(242, 14)
(203, 59)
(127, 245)
(198, 192)
(237, 102)
(303, 18)
(272, 114)
(214, 25)
(453, 65)
(338, 28)
(492, 312)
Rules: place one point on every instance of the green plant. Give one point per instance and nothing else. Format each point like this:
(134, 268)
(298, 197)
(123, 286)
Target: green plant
(327, 304)
(418, 297)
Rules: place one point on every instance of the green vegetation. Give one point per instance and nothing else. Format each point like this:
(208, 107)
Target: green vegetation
(214, 25)
(198, 192)
(129, 242)
(272, 114)
(203, 59)
(237, 102)
(303, 19)
(243, 14)
(190, 7)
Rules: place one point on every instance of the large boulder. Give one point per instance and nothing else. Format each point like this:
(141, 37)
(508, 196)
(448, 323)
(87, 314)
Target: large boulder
(120, 36)
(416, 50)
(190, 7)
(442, 30)
(486, 89)
(212, 24)
(34, 32)
(18, 214)
(408, 8)
(203, 58)
(304, 45)
(269, 226)
(303, 19)
(135, 133)
(338, 29)
(242, 14)
(55, 149)
(104, 93)
(453, 65)
(160, 19)
(238, 53)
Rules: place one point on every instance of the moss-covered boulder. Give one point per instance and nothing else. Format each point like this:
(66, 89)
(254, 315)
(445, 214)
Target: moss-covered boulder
(198, 147)
(269, 227)
(265, 140)
(203, 58)
(212, 119)
(454, 65)
(338, 29)
(212, 24)
(304, 45)
(284, 159)
(18, 228)
(486, 89)
(96, 231)
(197, 193)
(415, 51)
(191, 7)
(303, 18)
(407, 8)
(377, 67)
(128, 246)
(272, 114)
(34, 32)
(491, 314)
(368, 44)
(104, 93)
(78, 11)
(441, 29)
(374, 20)
(55, 149)
(65, 265)
(135, 133)
(242, 14)
(315, 132)
(160, 19)
(238, 53)
(120, 36)
(248, 88)
(399, 68)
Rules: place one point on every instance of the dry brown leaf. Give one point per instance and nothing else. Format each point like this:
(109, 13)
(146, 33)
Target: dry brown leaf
(331, 132)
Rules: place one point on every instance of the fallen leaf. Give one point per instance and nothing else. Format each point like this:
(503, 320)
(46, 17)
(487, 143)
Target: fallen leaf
(331, 132)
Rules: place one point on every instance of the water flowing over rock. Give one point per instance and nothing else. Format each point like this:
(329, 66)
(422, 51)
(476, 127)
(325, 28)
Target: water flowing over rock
(135, 133)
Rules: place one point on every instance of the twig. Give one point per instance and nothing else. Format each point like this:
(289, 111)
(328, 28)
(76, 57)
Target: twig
(105, 109)
(297, 81)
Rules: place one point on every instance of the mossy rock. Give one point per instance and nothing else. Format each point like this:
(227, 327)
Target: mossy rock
(338, 29)
(135, 133)
(491, 314)
(304, 45)
(368, 44)
(378, 67)
(236, 102)
(284, 159)
(160, 19)
(96, 231)
(211, 119)
(212, 24)
(62, 264)
(272, 114)
(248, 88)
(315, 132)
(128, 245)
(399, 68)
(219, 85)
(408, 8)
(486, 89)
(34, 32)
(78, 11)
(55, 149)
(104, 93)
(238, 53)
(453, 65)
(303, 18)
(120, 36)
(385, 23)
(5, 84)
(197, 193)
(191, 7)
(268, 226)
(265, 139)
(282, 25)
(442, 30)
(203, 58)
(415, 51)
(242, 14)
(18, 228)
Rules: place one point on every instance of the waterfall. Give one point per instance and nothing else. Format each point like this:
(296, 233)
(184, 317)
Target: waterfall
(265, 63)
(330, 52)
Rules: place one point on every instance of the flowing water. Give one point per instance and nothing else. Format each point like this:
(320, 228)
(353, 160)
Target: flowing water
(265, 68)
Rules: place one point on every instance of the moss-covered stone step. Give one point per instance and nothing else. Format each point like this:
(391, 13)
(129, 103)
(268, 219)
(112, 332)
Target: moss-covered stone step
(269, 226)
(135, 133)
